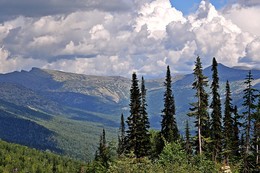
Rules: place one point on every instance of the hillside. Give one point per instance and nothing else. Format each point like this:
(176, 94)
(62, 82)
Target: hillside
(17, 158)
(68, 111)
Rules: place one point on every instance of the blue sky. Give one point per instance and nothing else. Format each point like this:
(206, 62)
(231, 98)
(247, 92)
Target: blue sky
(188, 6)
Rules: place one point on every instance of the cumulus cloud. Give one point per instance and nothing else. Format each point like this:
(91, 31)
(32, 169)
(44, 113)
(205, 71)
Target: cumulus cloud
(245, 17)
(252, 52)
(157, 15)
(16, 63)
(145, 37)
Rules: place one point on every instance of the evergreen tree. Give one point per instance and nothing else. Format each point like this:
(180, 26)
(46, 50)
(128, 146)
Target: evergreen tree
(188, 146)
(103, 152)
(121, 137)
(242, 144)
(228, 125)
(138, 138)
(133, 120)
(145, 125)
(249, 105)
(256, 140)
(200, 108)
(169, 129)
(236, 127)
(216, 127)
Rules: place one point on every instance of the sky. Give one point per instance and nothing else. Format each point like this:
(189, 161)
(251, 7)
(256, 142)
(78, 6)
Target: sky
(119, 37)
(190, 6)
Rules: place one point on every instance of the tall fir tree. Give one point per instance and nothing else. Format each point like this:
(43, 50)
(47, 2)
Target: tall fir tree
(256, 139)
(133, 120)
(200, 107)
(169, 129)
(228, 125)
(138, 138)
(249, 99)
(249, 105)
(216, 126)
(121, 137)
(145, 125)
(237, 125)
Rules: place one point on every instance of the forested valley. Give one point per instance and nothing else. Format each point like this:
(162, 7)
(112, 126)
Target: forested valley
(226, 137)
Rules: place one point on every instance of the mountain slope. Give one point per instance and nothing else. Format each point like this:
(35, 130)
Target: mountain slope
(69, 110)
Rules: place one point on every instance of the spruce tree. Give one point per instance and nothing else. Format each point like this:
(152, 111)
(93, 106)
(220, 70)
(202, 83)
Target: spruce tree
(103, 152)
(256, 140)
(242, 144)
(138, 138)
(236, 131)
(169, 129)
(121, 137)
(249, 105)
(249, 99)
(133, 135)
(200, 107)
(228, 125)
(216, 127)
(188, 146)
(145, 125)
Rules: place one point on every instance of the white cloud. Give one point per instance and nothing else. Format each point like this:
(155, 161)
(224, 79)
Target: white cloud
(252, 52)
(144, 39)
(16, 63)
(245, 17)
(157, 15)
(98, 32)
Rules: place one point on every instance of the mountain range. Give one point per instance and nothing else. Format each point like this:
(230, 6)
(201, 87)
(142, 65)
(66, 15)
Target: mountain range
(65, 112)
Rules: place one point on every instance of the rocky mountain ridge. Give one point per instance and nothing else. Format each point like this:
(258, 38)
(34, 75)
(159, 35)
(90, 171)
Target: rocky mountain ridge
(57, 102)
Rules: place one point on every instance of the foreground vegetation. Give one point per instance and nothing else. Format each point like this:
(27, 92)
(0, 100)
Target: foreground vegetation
(17, 158)
(173, 158)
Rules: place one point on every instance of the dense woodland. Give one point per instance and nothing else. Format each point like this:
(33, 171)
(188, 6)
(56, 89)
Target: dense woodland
(17, 158)
(226, 137)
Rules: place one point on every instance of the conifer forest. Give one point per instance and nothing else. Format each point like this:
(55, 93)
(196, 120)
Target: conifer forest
(219, 136)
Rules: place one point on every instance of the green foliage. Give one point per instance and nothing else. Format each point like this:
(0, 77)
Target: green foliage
(144, 124)
(102, 154)
(216, 118)
(156, 144)
(188, 146)
(137, 138)
(173, 153)
(16, 158)
(121, 137)
(169, 129)
(250, 106)
(203, 165)
(236, 141)
(172, 159)
(256, 137)
(199, 108)
(228, 125)
(132, 165)
(132, 120)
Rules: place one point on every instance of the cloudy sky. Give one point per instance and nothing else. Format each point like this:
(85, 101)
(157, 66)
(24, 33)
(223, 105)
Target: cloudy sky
(117, 37)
